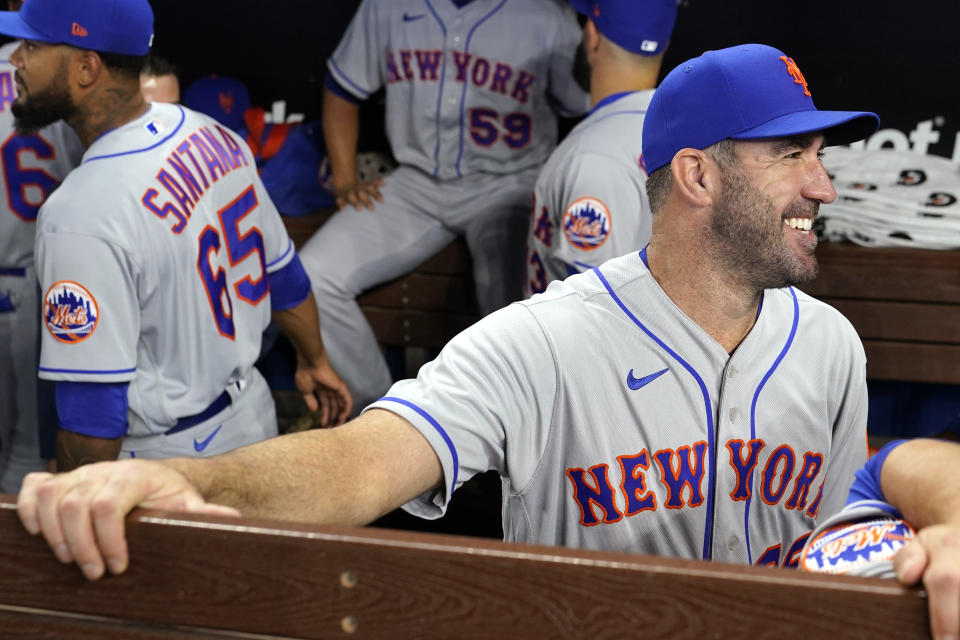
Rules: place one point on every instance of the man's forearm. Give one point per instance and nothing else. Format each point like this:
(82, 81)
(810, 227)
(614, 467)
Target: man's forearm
(345, 475)
(341, 130)
(301, 325)
(76, 449)
(921, 478)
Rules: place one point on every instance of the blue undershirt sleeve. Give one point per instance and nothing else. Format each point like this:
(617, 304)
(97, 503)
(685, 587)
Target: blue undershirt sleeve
(289, 286)
(866, 482)
(97, 409)
(330, 83)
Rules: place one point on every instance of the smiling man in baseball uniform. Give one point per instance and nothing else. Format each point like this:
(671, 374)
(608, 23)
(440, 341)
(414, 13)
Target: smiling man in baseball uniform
(683, 400)
(589, 202)
(472, 90)
(161, 257)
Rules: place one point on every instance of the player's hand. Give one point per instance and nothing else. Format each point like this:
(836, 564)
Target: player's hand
(81, 514)
(323, 390)
(359, 195)
(934, 557)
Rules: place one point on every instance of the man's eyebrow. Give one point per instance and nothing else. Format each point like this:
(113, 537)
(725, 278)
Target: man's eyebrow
(801, 141)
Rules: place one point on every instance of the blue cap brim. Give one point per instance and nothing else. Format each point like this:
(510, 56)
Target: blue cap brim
(838, 127)
(11, 24)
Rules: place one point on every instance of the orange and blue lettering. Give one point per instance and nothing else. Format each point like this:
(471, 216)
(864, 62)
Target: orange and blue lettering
(600, 493)
(405, 63)
(544, 228)
(521, 90)
(812, 463)
(462, 61)
(501, 76)
(687, 473)
(429, 62)
(481, 71)
(208, 156)
(767, 492)
(634, 486)
(743, 468)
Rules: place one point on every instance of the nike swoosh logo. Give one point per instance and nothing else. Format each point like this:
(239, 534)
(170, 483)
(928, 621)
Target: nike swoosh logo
(409, 18)
(201, 445)
(636, 383)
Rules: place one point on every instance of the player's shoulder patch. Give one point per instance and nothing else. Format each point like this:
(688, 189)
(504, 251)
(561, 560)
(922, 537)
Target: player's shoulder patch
(854, 547)
(587, 223)
(70, 312)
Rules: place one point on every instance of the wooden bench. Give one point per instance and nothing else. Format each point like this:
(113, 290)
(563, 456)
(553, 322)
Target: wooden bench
(904, 303)
(196, 577)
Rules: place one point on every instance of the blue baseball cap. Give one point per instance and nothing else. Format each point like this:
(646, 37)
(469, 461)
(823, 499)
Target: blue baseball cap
(223, 98)
(639, 26)
(110, 26)
(747, 92)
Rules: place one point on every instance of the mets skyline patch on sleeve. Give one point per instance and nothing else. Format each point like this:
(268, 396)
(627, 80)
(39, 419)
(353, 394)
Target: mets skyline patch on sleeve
(863, 548)
(587, 223)
(70, 312)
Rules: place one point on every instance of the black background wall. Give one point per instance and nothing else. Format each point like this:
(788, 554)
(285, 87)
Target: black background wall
(898, 59)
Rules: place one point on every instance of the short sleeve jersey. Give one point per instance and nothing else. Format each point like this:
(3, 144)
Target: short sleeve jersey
(468, 89)
(617, 423)
(590, 200)
(153, 255)
(33, 165)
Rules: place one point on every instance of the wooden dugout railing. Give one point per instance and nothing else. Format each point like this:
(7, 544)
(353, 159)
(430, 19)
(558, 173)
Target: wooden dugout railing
(199, 577)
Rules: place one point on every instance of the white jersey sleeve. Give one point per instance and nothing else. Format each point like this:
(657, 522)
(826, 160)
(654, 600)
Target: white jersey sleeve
(356, 64)
(602, 211)
(95, 283)
(485, 403)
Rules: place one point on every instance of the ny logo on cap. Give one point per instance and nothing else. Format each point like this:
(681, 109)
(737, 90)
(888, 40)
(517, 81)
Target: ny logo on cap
(226, 101)
(794, 72)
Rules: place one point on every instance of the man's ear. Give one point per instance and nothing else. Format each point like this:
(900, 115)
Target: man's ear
(591, 36)
(696, 177)
(87, 67)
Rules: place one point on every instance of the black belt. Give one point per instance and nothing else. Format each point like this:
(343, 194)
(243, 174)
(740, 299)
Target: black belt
(13, 271)
(218, 405)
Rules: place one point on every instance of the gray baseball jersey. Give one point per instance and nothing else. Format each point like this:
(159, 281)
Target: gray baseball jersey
(469, 98)
(590, 203)
(153, 255)
(617, 423)
(32, 167)
(467, 89)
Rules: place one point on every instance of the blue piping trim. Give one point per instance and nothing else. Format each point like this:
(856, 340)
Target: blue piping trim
(183, 116)
(708, 530)
(443, 77)
(753, 413)
(345, 80)
(283, 255)
(436, 425)
(87, 371)
(610, 99)
(466, 81)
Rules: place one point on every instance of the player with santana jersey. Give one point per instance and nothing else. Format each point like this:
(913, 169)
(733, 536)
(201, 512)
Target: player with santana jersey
(33, 166)
(472, 90)
(172, 297)
(590, 204)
